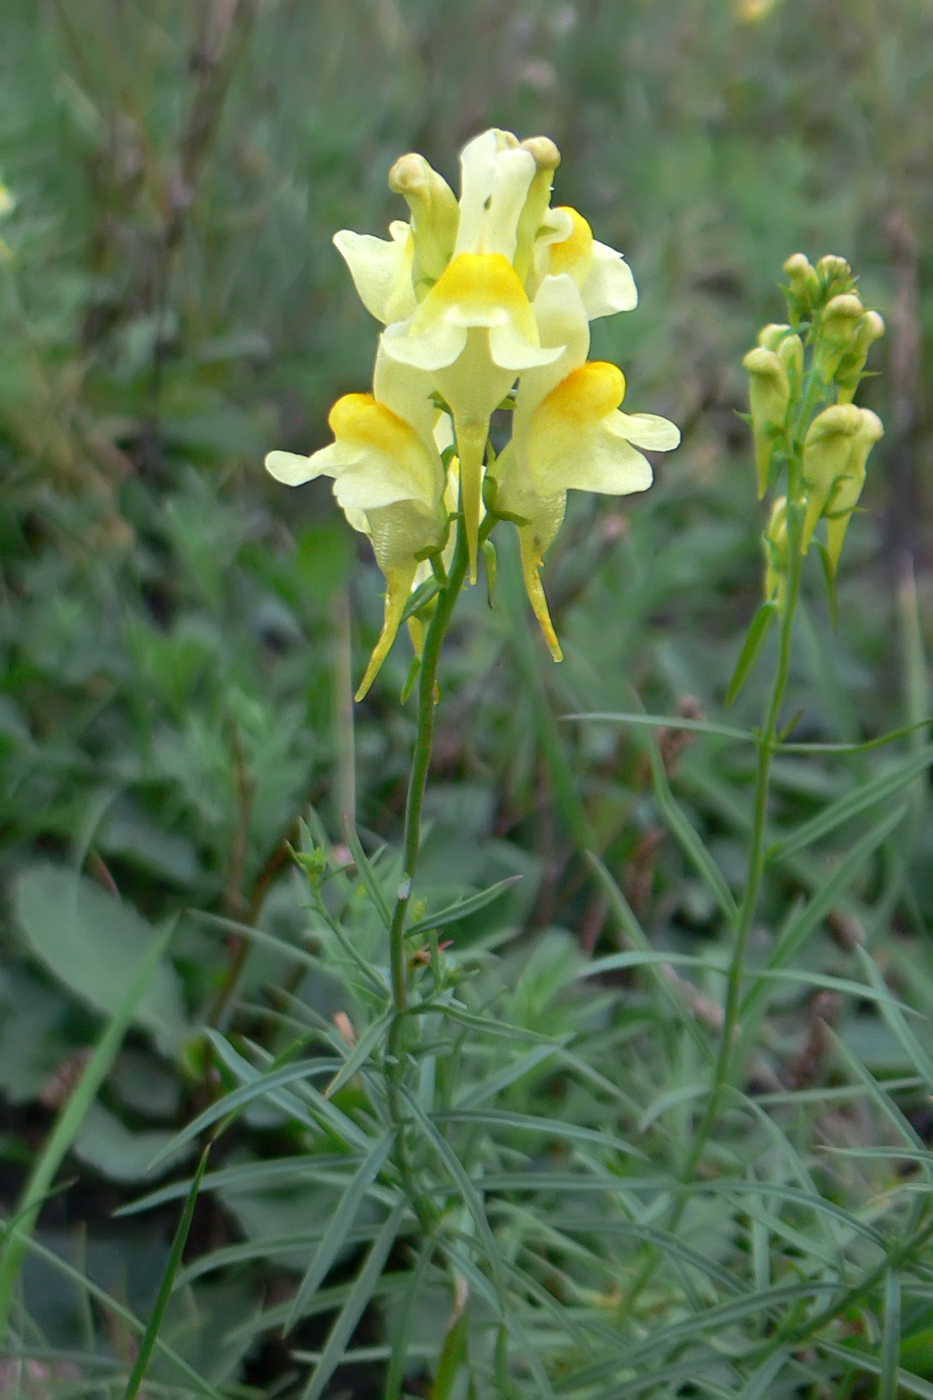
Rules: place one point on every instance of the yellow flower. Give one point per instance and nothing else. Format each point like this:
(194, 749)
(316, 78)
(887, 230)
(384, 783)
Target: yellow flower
(475, 330)
(566, 244)
(835, 455)
(568, 434)
(388, 479)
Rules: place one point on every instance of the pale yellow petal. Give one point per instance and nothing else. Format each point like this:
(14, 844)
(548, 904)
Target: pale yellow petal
(608, 286)
(651, 431)
(381, 271)
(289, 468)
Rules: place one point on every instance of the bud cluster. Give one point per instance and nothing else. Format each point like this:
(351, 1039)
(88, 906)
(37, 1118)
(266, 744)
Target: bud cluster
(802, 379)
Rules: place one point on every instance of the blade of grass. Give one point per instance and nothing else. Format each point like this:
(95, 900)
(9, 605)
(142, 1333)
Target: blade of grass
(109, 1304)
(66, 1127)
(147, 1345)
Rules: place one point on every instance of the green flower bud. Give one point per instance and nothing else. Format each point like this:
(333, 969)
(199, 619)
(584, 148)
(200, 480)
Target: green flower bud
(777, 553)
(804, 287)
(769, 395)
(868, 329)
(826, 452)
(836, 332)
(834, 275)
(770, 337)
(849, 489)
(435, 217)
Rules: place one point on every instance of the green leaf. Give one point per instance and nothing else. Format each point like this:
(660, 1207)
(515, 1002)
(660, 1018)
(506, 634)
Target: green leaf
(689, 839)
(355, 1305)
(695, 726)
(463, 908)
(368, 875)
(150, 1336)
(96, 945)
(453, 1356)
(751, 649)
(66, 1128)
(851, 804)
(360, 1053)
(339, 1225)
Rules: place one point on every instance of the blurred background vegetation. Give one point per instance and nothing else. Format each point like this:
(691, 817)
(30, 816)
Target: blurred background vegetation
(179, 634)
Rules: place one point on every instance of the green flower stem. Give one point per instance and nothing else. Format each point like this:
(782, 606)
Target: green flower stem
(398, 959)
(767, 745)
(421, 762)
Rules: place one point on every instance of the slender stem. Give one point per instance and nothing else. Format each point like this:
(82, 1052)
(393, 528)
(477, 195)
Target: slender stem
(421, 762)
(398, 960)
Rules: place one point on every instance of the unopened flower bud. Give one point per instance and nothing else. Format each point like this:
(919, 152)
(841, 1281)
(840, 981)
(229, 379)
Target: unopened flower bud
(826, 452)
(786, 345)
(868, 329)
(804, 287)
(776, 552)
(834, 274)
(769, 395)
(537, 202)
(435, 216)
(849, 489)
(837, 330)
(770, 336)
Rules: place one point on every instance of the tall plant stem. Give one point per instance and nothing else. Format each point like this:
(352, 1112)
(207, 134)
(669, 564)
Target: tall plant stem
(767, 744)
(398, 961)
(420, 764)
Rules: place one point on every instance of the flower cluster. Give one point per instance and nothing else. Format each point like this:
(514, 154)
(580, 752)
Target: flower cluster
(803, 377)
(480, 295)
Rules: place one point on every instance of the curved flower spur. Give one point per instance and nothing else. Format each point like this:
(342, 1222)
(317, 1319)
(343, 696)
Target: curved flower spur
(477, 296)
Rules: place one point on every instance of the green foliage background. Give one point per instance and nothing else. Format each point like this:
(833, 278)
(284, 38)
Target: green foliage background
(179, 634)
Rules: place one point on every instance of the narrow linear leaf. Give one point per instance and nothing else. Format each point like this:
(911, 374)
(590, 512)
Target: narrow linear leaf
(823, 899)
(865, 746)
(510, 1075)
(463, 908)
(683, 830)
(643, 950)
(861, 1361)
(355, 1305)
(696, 726)
(550, 1127)
(890, 1337)
(258, 1175)
(147, 1345)
(404, 1325)
(109, 1304)
(358, 1056)
(894, 1017)
(339, 1226)
(368, 875)
(751, 649)
(865, 796)
(263, 1085)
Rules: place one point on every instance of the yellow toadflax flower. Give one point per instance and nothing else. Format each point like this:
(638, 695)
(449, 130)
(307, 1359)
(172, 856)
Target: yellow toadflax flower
(388, 479)
(477, 294)
(568, 434)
